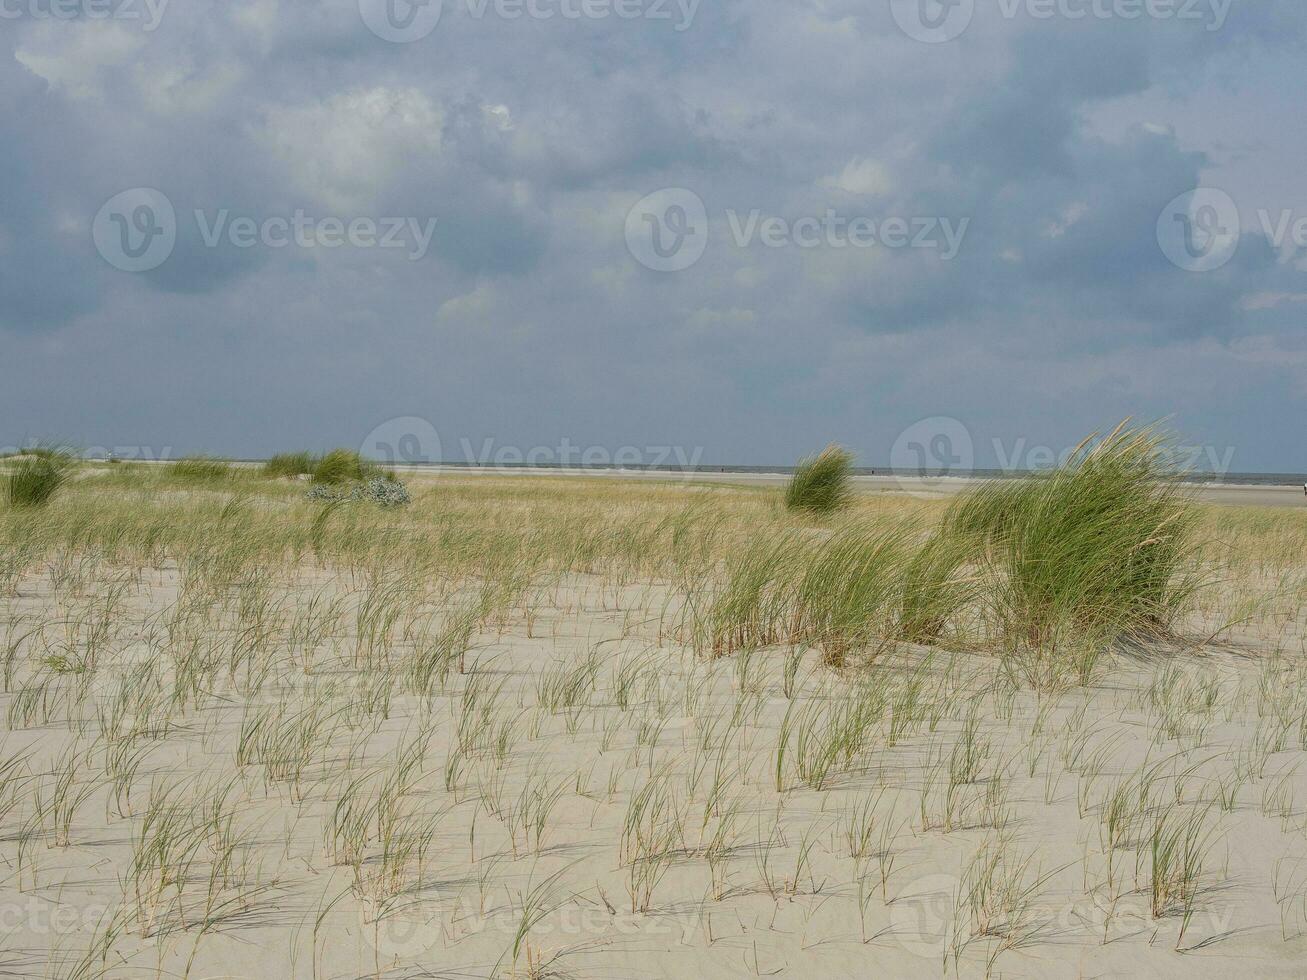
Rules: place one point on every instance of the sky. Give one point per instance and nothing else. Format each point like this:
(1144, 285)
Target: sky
(654, 231)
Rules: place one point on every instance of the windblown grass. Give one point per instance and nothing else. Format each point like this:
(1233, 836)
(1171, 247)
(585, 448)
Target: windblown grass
(200, 469)
(290, 464)
(340, 466)
(1049, 565)
(859, 587)
(1099, 548)
(36, 477)
(821, 483)
(243, 703)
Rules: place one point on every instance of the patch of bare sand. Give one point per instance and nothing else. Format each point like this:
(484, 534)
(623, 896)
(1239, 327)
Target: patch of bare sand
(587, 798)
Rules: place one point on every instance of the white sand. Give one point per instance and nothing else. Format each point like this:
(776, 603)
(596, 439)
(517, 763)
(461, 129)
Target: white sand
(788, 899)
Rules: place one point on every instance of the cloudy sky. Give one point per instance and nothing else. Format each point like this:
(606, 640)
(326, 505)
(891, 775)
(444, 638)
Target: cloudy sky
(743, 228)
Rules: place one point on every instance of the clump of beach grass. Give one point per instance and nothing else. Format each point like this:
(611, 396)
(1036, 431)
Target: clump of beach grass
(36, 477)
(820, 484)
(341, 466)
(290, 464)
(1099, 548)
(862, 586)
(200, 469)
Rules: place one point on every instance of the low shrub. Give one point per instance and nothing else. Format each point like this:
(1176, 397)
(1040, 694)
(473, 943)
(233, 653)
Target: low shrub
(379, 490)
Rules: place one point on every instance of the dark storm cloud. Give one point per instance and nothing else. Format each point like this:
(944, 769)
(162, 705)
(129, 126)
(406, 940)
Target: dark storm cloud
(526, 142)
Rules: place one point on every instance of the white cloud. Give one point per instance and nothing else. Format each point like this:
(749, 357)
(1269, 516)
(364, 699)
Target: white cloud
(72, 57)
(1071, 214)
(863, 176)
(343, 149)
(499, 117)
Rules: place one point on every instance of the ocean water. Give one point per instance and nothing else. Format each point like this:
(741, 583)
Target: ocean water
(1248, 479)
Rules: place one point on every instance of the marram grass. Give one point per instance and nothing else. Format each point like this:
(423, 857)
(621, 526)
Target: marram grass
(820, 484)
(340, 466)
(1103, 546)
(1051, 566)
(290, 464)
(200, 469)
(33, 479)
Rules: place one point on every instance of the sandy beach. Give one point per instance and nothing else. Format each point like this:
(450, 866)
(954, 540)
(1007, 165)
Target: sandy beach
(1231, 494)
(514, 729)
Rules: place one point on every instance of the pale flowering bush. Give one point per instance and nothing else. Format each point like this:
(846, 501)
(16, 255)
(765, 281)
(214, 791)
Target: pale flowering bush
(387, 493)
(379, 490)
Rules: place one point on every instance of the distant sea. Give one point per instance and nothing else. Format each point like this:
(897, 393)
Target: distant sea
(1249, 479)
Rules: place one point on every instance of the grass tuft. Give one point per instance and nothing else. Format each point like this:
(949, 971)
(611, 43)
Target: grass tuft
(1097, 549)
(820, 485)
(200, 469)
(36, 477)
(290, 464)
(340, 466)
